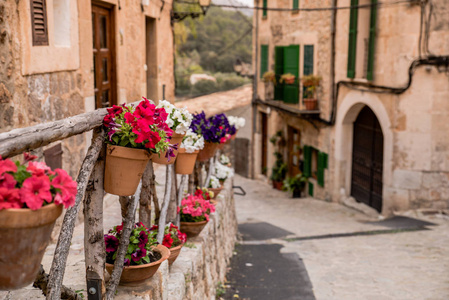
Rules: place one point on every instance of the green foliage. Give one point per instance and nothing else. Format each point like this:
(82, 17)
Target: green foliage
(204, 87)
(295, 183)
(279, 170)
(221, 290)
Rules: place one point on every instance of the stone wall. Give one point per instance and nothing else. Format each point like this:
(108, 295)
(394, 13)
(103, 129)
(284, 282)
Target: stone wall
(201, 264)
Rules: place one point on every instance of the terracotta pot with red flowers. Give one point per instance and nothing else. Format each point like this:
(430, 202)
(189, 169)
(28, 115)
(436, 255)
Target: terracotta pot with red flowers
(174, 239)
(134, 134)
(194, 211)
(144, 255)
(31, 199)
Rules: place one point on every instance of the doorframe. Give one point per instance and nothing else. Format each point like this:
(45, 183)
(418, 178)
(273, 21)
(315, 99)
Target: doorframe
(114, 66)
(348, 111)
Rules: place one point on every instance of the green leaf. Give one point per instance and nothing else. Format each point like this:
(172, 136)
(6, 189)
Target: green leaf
(116, 138)
(146, 259)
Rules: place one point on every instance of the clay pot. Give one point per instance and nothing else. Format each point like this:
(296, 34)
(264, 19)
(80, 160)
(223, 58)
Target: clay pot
(310, 104)
(140, 273)
(161, 159)
(278, 185)
(207, 152)
(174, 252)
(221, 146)
(185, 162)
(192, 229)
(215, 191)
(234, 135)
(124, 169)
(24, 236)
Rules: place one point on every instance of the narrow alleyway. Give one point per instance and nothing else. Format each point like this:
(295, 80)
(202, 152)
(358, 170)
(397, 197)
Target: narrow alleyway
(311, 249)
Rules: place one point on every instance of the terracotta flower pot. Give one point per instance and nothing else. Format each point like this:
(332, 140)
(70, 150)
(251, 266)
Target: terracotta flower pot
(216, 191)
(24, 236)
(221, 146)
(138, 274)
(123, 170)
(192, 229)
(161, 159)
(207, 152)
(174, 252)
(185, 162)
(234, 135)
(310, 104)
(278, 185)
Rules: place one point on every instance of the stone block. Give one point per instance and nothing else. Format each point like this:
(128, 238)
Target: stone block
(432, 180)
(404, 179)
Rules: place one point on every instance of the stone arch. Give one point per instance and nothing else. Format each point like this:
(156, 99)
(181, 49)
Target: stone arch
(348, 111)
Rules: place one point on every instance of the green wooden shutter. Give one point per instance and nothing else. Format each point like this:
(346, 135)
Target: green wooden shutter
(278, 70)
(311, 189)
(308, 60)
(307, 161)
(295, 4)
(320, 174)
(263, 59)
(264, 11)
(372, 38)
(291, 65)
(352, 47)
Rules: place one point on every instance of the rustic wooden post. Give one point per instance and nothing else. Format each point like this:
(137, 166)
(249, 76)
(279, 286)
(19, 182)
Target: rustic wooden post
(62, 248)
(191, 183)
(210, 171)
(145, 197)
(180, 196)
(157, 210)
(163, 217)
(94, 248)
(171, 214)
(122, 248)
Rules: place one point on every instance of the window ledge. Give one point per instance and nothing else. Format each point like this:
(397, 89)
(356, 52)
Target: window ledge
(291, 108)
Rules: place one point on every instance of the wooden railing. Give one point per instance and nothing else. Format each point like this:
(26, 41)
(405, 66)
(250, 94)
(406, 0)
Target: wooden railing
(91, 192)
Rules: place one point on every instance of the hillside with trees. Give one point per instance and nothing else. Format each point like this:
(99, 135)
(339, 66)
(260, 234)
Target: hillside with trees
(211, 45)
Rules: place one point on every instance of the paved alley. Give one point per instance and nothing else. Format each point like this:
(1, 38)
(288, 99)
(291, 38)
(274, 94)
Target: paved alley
(345, 254)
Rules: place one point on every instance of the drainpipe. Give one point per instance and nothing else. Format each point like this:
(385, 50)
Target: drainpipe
(254, 102)
(333, 96)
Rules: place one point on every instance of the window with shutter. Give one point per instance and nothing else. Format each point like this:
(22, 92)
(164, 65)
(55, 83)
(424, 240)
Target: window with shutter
(39, 22)
(263, 59)
(295, 4)
(352, 47)
(310, 189)
(278, 70)
(307, 161)
(371, 43)
(322, 164)
(291, 65)
(308, 60)
(265, 5)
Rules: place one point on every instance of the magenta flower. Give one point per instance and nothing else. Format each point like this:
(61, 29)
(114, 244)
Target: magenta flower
(9, 195)
(34, 191)
(7, 166)
(143, 239)
(127, 262)
(66, 188)
(111, 243)
(136, 256)
(38, 168)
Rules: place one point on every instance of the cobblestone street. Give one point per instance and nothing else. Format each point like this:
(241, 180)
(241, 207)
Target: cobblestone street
(345, 256)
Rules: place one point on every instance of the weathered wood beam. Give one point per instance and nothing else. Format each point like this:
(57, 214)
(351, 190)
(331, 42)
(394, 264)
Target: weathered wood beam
(41, 282)
(180, 196)
(157, 209)
(65, 237)
(19, 140)
(163, 217)
(94, 247)
(145, 197)
(122, 248)
(171, 213)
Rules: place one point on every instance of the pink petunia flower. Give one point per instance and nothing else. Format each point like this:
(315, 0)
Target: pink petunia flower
(34, 191)
(66, 187)
(7, 166)
(38, 168)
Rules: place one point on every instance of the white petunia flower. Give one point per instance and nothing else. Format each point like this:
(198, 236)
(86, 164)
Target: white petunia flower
(237, 122)
(214, 182)
(192, 141)
(178, 119)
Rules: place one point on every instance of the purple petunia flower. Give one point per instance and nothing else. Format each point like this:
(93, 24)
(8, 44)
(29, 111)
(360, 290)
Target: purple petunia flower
(136, 256)
(111, 243)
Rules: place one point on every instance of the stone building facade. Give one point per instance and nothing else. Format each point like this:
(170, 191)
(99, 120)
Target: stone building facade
(59, 58)
(383, 100)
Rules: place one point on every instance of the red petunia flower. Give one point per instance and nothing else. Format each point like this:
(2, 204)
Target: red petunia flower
(66, 188)
(115, 110)
(167, 241)
(7, 166)
(34, 191)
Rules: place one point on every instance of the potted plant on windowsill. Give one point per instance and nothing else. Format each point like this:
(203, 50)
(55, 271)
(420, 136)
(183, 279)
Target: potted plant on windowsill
(174, 239)
(287, 78)
(278, 172)
(310, 83)
(191, 145)
(295, 184)
(31, 199)
(178, 120)
(269, 76)
(143, 257)
(194, 213)
(134, 134)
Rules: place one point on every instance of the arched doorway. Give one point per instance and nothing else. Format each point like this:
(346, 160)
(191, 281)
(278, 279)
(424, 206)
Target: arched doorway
(367, 159)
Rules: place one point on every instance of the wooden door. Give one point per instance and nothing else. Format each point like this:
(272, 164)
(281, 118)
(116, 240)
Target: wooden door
(104, 56)
(294, 151)
(367, 160)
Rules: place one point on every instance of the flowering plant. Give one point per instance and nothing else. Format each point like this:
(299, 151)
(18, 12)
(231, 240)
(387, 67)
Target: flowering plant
(214, 182)
(226, 130)
(34, 185)
(204, 192)
(195, 209)
(143, 127)
(224, 160)
(172, 236)
(236, 121)
(178, 119)
(192, 141)
(222, 172)
(210, 128)
(141, 242)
